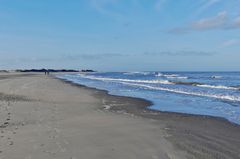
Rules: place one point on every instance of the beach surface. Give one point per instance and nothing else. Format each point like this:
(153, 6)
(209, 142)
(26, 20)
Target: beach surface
(44, 117)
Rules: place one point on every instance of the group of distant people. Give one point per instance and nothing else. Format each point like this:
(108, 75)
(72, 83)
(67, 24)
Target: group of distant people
(46, 72)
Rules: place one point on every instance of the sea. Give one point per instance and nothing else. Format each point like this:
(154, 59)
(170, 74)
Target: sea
(202, 93)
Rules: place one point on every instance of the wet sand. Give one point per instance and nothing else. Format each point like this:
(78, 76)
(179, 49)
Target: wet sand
(43, 117)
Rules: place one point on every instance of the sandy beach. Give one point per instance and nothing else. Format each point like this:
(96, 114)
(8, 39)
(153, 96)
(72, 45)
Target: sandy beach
(44, 117)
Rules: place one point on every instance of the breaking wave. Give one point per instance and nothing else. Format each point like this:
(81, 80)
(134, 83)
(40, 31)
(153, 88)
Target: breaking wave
(217, 87)
(217, 96)
(197, 84)
(129, 80)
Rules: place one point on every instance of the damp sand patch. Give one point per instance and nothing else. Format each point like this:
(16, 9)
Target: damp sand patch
(13, 98)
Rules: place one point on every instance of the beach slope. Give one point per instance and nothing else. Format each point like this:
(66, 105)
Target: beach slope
(43, 117)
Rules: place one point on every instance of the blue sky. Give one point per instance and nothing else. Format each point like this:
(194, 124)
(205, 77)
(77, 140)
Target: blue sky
(121, 35)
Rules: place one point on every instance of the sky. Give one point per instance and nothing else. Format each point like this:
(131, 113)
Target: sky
(121, 35)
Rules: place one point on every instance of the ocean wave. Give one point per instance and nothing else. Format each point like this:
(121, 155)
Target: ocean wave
(197, 84)
(206, 85)
(171, 76)
(217, 87)
(178, 77)
(158, 74)
(217, 96)
(216, 77)
(134, 73)
(127, 80)
(187, 83)
(237, 87)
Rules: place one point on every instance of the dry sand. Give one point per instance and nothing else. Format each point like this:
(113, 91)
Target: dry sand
(45, 118)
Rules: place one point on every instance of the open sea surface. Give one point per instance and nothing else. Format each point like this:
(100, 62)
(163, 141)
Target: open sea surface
(203, 93)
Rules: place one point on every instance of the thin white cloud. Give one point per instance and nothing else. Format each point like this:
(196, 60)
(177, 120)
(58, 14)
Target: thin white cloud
(206, 4)
(231, 42)
(220, 21)
(105, 7)
(67, 57)
(180, 53)
(236, 22)
(211, 23)
(209, 3)
(100, 5)
(159, 4)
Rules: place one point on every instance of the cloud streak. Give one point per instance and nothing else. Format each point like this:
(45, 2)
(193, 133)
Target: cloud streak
(207, 4)
(64, 58)
(93, 56)
(236, 22)
(159, 4)
(107, 56)
(220, 21)
(231, 42)
(211, 23)
(180, 53)
(105, 7)
(101, 5)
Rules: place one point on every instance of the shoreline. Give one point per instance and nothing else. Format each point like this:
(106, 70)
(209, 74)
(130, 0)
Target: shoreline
(199, 136)
(55, 118)
(145, 104)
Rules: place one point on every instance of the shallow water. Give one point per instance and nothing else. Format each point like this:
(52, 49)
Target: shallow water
(204, 93)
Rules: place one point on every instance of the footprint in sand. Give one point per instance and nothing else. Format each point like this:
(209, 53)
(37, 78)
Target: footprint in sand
(10, 143)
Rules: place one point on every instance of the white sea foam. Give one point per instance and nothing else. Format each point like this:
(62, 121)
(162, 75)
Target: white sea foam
(171, 75)
(133, 73)
(217, 77)
(178, 77)
(190, 90)
(159, 75)
(217, 87)
(128, 80)
(217, 96)
(155, 82)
